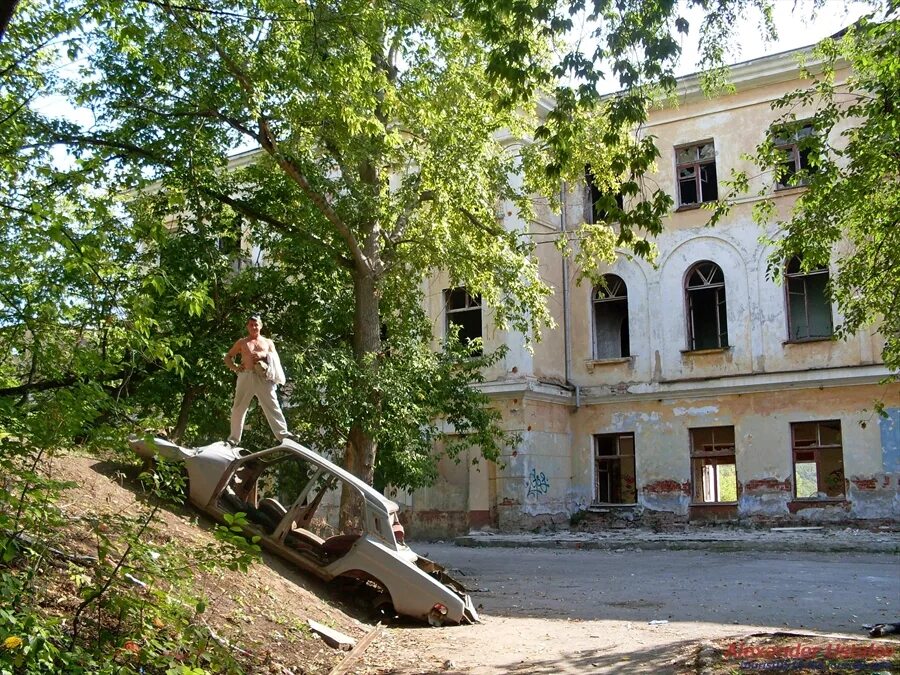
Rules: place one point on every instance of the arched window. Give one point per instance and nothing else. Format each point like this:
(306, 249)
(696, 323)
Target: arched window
(809, 310)
(707, 318)
(611, 319)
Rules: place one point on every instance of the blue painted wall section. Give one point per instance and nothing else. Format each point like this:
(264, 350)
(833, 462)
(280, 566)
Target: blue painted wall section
(890, 440)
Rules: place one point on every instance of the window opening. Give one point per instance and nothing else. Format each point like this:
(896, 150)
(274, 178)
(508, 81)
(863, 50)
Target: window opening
(600, 202)
(707, 315)
(611, 337)
(296, 504)
(809, 308)
(794, 145)
(696, 169)
(818, 460)
(464, 311)
(615, 480)
(713, 466)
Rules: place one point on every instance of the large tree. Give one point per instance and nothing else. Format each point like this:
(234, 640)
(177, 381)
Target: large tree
(377, 130)
(376, 157)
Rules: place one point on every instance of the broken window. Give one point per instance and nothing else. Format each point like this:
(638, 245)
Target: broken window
(713, 467)
(696, 169)
(611, 319)
(818, 460)
(809, 309)
(707, 317)
(464, 311)
(615, 476)
(600, 203)
(795, 147)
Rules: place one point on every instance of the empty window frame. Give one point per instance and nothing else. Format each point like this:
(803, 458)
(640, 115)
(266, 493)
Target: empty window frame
(464, 311)
(794, 144)
(706, 309)
(818, 460)
(599, 204)
(610, 302)
(809, 309)
(615, 481)
(713, 468)
(695, 166)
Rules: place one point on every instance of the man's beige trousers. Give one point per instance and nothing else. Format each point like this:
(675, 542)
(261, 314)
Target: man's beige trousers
(249, 384)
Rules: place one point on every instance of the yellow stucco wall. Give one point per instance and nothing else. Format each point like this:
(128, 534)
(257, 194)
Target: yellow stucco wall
(760, 384)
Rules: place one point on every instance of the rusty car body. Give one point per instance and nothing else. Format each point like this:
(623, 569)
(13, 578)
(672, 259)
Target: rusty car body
(292, 500)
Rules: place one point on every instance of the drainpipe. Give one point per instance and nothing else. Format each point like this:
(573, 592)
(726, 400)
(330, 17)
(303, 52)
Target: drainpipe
(567, 348)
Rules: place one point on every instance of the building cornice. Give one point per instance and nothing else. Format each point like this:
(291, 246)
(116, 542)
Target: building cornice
(529, 389)
(535, 390)
(736, 384)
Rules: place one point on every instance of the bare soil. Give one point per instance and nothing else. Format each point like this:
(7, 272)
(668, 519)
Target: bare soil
(540, 615)
(262, 614)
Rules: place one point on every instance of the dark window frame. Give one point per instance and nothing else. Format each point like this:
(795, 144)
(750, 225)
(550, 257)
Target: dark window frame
(596, 213)
(471, 304)
(704, 269)
(797, 156)
(794, 276)
(700, 166)
(816, 450)
(613, 462)
(613, 292)
(712, 457)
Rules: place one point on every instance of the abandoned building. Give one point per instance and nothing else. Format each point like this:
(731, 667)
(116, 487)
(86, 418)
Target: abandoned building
(695, 389)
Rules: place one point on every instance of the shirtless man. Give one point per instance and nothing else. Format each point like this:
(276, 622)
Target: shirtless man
(259, 373)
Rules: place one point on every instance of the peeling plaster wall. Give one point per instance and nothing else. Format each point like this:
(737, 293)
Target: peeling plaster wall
(760, 384)
(763, 456)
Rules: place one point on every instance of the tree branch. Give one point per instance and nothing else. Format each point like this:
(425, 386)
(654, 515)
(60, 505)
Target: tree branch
(280, 225)
(62, 382)
(403, 219)
(493, 231)
(270, 145)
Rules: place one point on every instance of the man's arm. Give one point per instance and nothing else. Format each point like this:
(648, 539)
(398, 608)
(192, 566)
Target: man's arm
(229, 357)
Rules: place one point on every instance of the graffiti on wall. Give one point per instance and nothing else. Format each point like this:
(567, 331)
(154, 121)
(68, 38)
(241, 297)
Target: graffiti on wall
(538, 484)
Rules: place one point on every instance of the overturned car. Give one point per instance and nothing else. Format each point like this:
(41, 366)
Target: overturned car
(292, 499)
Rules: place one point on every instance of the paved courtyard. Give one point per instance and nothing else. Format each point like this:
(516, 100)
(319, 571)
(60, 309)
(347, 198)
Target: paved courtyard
(557, 611)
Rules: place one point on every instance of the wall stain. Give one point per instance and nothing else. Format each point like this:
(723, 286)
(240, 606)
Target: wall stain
(666, 486)
(768, 485)
(865, 483)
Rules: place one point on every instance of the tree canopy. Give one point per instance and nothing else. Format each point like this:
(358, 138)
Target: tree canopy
(378, 140)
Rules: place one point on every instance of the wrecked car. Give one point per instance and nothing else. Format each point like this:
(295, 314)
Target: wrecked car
(292, 500)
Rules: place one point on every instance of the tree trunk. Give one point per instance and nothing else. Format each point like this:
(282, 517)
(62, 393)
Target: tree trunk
(359, 455)
(366, 347)
(7, 7)
(184, 413)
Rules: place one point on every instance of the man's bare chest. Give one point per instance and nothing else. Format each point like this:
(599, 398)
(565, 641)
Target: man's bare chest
(259, 347)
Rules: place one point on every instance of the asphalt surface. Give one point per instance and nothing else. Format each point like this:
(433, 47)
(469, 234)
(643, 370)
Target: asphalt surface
(564, 610)
(827, 592)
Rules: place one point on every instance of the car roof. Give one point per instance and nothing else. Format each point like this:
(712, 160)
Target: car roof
(370, 493)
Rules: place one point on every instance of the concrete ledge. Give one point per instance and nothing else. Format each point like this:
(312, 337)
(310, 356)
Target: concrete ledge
(772, 542)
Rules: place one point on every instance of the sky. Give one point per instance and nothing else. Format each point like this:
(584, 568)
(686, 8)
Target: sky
(795, 22)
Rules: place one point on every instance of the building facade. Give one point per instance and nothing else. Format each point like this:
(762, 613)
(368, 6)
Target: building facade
(696, 388)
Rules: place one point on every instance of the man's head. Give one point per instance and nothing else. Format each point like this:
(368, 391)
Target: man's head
(254, 324)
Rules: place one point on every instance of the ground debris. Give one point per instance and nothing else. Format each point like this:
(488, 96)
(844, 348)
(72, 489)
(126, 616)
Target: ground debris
(332, 637)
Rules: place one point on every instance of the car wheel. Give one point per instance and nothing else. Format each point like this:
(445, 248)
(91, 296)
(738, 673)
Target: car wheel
(383, 608)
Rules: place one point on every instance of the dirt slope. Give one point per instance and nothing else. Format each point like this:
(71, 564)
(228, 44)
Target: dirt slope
(263, 612)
